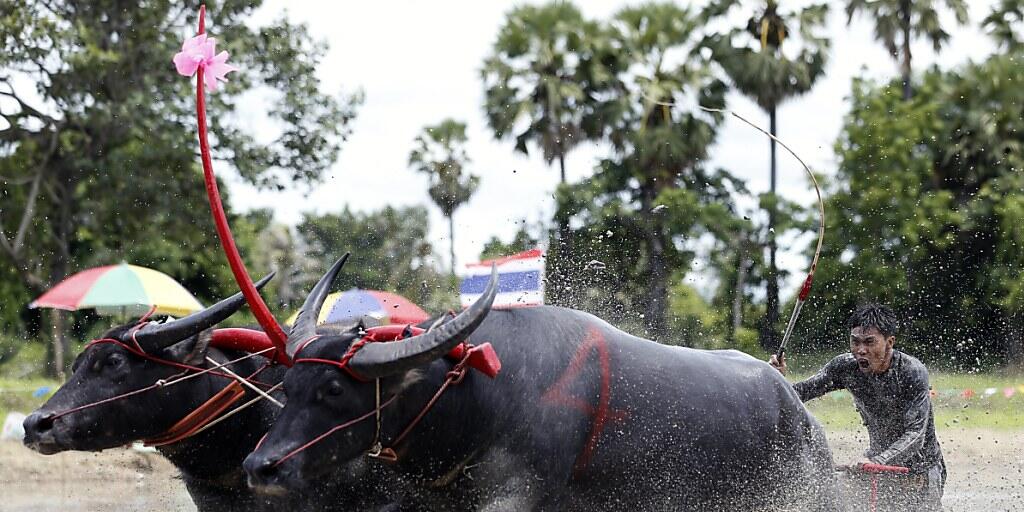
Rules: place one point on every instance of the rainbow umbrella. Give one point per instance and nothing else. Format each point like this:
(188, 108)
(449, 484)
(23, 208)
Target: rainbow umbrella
(382, 307)
(120, 289)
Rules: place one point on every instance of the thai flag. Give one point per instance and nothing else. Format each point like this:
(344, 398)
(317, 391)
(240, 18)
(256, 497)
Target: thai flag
(520, 280)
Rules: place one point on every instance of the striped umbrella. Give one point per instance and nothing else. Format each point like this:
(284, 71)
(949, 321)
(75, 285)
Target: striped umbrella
(120, 289)
(381, 307)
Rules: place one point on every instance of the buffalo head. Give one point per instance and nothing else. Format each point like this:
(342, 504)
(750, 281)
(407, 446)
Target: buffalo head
(106, 370)
(330, 386)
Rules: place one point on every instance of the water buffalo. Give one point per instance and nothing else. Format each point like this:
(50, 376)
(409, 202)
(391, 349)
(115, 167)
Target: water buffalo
(210, 461)
(582, 416)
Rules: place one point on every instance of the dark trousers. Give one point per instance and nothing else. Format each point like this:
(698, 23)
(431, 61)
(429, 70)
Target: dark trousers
(915, 492)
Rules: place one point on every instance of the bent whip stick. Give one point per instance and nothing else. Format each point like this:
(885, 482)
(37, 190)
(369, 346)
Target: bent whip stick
(199, 58)
(805, 290)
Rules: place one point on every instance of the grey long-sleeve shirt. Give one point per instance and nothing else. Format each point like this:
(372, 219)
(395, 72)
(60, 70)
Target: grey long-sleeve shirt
(895, 407)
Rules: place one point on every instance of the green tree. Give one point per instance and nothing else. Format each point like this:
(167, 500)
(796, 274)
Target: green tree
(523, 240)
(1003, 22)
(927, 212)
(542, 81)
(536, 78)
(758, 66)
(440, 153)
(645, 197)
(98, 133)
(898, 22)
(389, 250)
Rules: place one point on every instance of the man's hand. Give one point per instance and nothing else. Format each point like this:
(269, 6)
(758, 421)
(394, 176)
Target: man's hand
(778, 364)
(859, 463)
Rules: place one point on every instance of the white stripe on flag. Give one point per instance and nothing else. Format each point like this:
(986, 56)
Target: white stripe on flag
(520, 280)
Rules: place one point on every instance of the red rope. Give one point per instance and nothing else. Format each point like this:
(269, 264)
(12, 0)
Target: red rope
(175, 364)
(174, 379)
(195, 421)
(454, 376)
(157, 384)
(334, 429)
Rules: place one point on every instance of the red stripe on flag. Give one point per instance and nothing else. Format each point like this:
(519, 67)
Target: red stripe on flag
(526, 255)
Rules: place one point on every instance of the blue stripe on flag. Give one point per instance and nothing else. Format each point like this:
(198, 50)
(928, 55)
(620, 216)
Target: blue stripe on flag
(508, 282)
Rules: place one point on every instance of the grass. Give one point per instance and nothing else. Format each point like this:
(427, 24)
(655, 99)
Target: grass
(952, 410)
(20, 377)
(17, 394)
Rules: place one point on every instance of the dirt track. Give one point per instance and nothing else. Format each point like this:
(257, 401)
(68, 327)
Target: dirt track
(986, 473)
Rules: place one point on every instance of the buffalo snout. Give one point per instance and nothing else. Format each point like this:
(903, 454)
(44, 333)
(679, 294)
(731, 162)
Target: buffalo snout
(39, 435)
(265, 475)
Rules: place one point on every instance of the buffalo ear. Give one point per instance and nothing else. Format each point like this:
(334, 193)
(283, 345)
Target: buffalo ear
(396, 384)
(192, 350)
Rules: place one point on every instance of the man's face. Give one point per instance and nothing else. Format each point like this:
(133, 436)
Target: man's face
(871, 349)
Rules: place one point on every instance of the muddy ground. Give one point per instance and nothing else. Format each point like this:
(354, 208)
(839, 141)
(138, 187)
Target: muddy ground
(986, 473)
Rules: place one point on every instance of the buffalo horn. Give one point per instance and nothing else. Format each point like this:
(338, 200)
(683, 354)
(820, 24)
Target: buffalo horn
(377, 360)
(305, 322)
(156, 336)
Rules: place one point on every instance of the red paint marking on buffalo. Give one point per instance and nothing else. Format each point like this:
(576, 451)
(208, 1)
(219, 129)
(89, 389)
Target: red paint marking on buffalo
(602, 413)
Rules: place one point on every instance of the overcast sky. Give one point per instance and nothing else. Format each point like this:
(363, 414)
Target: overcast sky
(418, 63)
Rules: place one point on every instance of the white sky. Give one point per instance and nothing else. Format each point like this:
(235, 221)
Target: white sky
(418, 62)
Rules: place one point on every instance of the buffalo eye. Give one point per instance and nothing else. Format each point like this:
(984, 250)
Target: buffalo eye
(334, 388)
(115, 361)
(331, 389)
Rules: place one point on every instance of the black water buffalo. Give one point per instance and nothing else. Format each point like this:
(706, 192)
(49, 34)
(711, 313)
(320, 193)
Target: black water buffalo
(581, 417)
(211, 461)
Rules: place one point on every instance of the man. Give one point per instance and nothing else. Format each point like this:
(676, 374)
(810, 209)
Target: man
(891, 392)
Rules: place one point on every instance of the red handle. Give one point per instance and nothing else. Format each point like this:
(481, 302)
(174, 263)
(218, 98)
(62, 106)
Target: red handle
(227, 240)
(247, 340)
(882, 468)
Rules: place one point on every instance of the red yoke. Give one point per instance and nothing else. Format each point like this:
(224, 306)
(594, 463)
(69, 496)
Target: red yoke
(482, 358)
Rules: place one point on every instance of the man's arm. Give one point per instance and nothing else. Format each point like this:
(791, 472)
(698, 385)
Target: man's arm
(825, 381)
(915, 422)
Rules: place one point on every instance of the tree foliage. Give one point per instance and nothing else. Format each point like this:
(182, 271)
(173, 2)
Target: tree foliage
(761, 68)
(97, 133)
(522, 240)
(1003, 24)
(390, 251)
(926, 213)
(642, 201)
(440, 153)
(898, 22)
(540, 77)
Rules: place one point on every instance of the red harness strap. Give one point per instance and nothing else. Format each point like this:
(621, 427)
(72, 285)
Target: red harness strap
(241, 339)
(194, 421)
(139, 352)
(454, 376)
(482, 357)
(200, 417)
(205, 414)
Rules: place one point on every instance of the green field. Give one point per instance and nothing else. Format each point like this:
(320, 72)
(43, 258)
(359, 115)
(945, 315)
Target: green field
(952, 410)
(835, 410)
(17, 394)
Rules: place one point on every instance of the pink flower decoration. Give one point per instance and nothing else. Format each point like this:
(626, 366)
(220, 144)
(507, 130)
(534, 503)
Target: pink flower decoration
(198, 52)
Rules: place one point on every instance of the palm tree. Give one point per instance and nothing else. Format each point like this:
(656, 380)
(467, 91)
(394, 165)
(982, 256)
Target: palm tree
(539, 82)
(906, 19)
(660, 140)
(531, 79)
(440, 153)
(1002, 22)
(760, 69)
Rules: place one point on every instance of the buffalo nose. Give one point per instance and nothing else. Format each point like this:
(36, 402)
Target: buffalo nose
(260, 469)
(37, 423)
